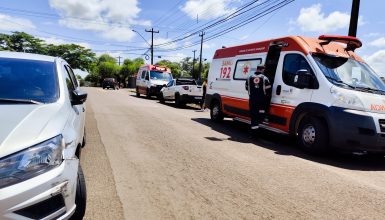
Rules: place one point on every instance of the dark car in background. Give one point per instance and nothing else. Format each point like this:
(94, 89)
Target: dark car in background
(110, 83)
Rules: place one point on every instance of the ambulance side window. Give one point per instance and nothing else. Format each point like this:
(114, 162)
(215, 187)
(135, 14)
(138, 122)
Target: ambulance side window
(245, 67)
(291, 64)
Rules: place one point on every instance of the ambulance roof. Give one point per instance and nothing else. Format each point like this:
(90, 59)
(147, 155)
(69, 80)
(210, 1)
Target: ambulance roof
(157, 68)
(302, 44)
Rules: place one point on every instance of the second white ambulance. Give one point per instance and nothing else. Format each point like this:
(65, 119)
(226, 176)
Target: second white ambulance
(151, 79)
(323, 93)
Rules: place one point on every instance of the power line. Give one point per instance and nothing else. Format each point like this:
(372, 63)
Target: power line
(240, 24)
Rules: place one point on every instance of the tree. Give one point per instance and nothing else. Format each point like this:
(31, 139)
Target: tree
(174, 66)
(80, 79)
(77, 56)
(93, 77)
(22, 42)
(106, 58)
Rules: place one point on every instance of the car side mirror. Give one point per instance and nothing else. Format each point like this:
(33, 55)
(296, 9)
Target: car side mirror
(303, 79)
(78, 97)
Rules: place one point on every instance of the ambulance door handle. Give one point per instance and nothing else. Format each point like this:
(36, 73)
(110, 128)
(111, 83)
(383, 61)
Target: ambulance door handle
(278, 91)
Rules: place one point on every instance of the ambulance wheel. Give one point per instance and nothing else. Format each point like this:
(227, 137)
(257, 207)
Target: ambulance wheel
(137, 92)
(216, 113)
(313, 135)
(81, 196)
(148, 95)
(161, 98)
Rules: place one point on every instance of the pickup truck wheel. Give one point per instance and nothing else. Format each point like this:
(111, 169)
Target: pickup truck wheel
(178, 101)
(313, 135)
(216, 113)
(161, 98)
(137, 92)
(81, 196)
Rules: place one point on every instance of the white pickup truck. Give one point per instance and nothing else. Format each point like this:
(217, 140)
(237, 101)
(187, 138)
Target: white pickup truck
(182, 91)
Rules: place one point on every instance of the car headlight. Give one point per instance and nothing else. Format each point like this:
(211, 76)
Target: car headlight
(346, 100)
(31, 162)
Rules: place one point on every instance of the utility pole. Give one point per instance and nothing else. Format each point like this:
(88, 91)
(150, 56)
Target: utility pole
(192, 74)
(200, 56)
(119, 57)
(354, 18)
(152, 43)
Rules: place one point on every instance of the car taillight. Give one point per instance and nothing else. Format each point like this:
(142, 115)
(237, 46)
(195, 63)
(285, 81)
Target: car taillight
(185, 87)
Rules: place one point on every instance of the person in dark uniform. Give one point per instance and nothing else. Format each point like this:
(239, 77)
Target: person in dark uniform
(259, 88)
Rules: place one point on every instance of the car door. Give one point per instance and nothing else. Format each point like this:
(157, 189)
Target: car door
(168, 90)
(78, 119)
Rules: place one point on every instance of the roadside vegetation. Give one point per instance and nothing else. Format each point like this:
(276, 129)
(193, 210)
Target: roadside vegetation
(98, 67)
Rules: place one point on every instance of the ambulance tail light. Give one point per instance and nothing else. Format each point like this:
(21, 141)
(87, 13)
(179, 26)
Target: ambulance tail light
(185, 87)
(352, 43)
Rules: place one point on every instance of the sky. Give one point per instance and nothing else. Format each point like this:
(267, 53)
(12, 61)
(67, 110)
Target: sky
(106, 26)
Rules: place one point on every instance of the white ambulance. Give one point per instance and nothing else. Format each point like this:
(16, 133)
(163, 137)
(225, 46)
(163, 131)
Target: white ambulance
(323, 93)
(151, 79)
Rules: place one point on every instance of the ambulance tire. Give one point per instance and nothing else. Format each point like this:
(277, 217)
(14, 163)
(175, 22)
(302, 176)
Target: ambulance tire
(313, 135)
(216, 113)
(148, 95)
(178, 101)
(81, 196)
(137, 92)
(161, 98)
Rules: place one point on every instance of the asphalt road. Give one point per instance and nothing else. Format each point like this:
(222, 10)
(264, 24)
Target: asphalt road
(146, 160)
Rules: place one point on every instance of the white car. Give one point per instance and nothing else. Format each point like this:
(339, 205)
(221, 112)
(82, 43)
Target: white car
(41, 136)
(182, 91)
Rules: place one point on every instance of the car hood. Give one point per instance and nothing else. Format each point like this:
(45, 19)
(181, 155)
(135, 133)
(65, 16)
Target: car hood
(23, 126)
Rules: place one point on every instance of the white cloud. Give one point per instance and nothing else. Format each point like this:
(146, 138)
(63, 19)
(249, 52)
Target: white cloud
(158, 41)
(58, 41)
(244, 37)
(379, 42)
(11, 23)
(175, 57)
(209, 45)
(313, 19)
(377, 61)
(111, 18)
(207, 9)
(374, 34)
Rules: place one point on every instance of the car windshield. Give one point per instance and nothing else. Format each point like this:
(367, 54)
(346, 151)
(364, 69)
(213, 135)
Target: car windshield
(347, 72)
(157, 75)
(28, 80)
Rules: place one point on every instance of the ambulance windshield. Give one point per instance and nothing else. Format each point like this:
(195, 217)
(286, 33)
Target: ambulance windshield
(158, 75)
(346, 72)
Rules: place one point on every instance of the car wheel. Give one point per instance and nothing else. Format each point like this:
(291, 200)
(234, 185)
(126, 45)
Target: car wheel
(313, 135)
(137, 92)
(148, 95)
(161, 98)
(178, 101)
(216, 113)
(81, 196)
